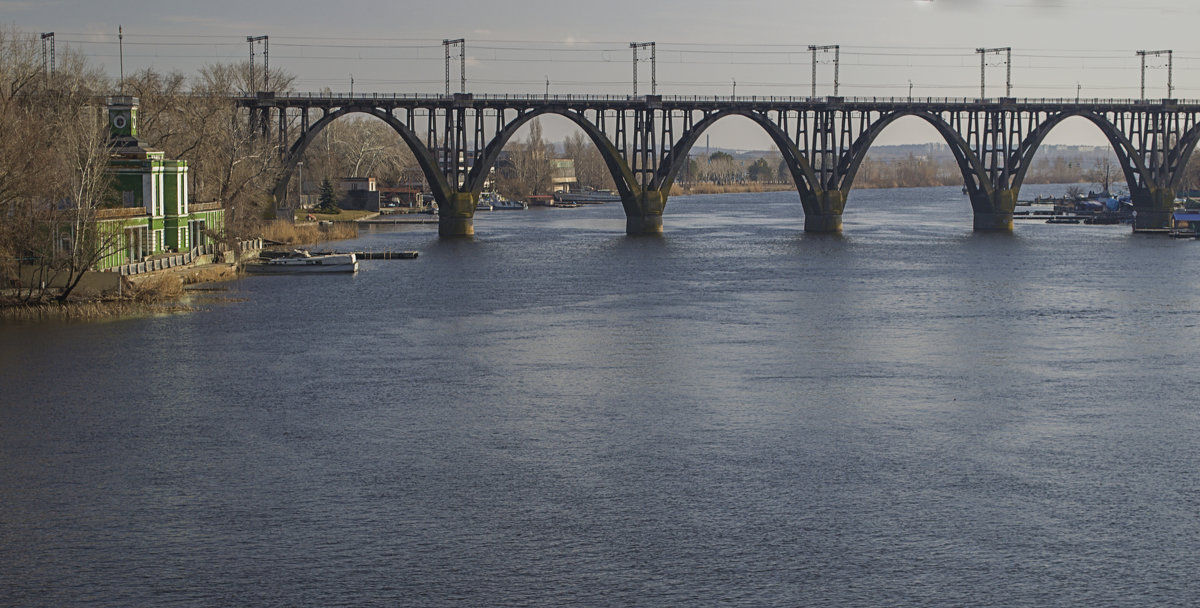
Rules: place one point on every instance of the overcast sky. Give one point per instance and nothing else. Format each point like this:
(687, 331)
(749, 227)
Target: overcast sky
(1061, 48)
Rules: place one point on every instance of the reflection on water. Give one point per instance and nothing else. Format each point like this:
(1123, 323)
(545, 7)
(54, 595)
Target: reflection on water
(554, 413)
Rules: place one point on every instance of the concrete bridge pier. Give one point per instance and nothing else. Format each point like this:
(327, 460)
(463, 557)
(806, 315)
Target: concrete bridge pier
(1153, 207)
(643, 212)
(456, 216)
(823, 212)
(994, 210)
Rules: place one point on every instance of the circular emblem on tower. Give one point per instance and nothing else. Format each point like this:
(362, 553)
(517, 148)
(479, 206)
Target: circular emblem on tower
(120, 121)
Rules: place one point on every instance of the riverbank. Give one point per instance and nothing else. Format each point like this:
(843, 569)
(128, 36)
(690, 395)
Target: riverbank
(159, 291)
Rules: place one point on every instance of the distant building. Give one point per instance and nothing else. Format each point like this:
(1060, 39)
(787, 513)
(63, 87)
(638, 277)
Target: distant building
(357, 193)
(401, 196)
(562, 174)
(153, 215)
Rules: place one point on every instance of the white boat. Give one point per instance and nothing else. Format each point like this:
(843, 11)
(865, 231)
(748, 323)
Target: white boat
(505, 203)
(499, 203)
(303, 261)
(587, 197)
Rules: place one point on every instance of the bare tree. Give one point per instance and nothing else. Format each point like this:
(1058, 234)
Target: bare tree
(1102, 173)
(53, 166)
(590, 168)
(359, 147)
(528, 170)
(87, 187)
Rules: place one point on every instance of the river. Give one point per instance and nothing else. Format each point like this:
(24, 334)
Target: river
(553, 413)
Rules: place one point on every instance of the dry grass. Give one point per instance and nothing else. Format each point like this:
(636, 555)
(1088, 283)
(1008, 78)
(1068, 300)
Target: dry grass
(305, 234)
(96, 310)
(347, 215)
(157, 288)
(210, 274)
(150, 294)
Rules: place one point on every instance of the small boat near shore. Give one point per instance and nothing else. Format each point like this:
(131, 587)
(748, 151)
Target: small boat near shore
(301, 261)
(587, 197)
(499, 203)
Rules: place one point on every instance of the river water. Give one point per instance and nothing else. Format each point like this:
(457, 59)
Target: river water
(554, 413)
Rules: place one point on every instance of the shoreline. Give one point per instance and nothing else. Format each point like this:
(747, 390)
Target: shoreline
(146, 294)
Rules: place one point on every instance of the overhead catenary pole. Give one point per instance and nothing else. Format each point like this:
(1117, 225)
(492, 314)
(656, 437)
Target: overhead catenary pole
(983, 53)
(253, 80)
(633, 46)
(982, 73)
(653, 62)
(48, 60)
(251, 40)
(121, 53)
(653, 69)
(1170, 69)
(814, 71)
(1008, 71)
(836, 61)
(1143, 89)
(461, 43)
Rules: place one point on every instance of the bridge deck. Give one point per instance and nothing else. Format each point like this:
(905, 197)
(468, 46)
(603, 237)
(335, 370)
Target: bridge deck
(699, 103)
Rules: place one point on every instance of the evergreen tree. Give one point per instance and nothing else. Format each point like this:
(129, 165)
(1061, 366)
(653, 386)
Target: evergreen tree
(328, 202)
(760, 171)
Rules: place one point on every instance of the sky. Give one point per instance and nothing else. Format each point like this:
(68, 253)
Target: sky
(1060, 48)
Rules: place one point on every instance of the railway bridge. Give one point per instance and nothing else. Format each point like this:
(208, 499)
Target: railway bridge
(645, 142)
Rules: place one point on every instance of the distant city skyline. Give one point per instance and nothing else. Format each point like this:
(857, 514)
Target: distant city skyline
(1060, 49)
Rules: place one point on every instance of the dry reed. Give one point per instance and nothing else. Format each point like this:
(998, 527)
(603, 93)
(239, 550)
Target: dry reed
(96, 310)
(304, 234)
(157, 288)
(210, 274)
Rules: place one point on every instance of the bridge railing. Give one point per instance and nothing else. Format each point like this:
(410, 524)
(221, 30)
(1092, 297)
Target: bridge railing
(748, 99)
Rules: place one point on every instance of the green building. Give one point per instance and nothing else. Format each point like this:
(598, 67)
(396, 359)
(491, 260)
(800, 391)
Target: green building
(154, 215)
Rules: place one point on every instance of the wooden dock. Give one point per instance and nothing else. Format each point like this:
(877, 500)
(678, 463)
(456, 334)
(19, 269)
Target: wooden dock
(402, 218)
(382, 255)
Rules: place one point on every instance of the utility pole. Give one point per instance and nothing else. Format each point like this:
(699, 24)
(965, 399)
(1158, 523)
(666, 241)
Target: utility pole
(266, 62)
(837, 51)
(48, 61)
(983, 53)
(461, 43)
(1170, 68)
(653, 66)
(121, 52)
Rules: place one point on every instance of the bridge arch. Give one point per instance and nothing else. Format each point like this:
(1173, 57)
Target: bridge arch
(437, 180)
(1182, 153)
(1131, 162)
(823, 201)
(802, 172)
(975, 178)
(622, 176)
